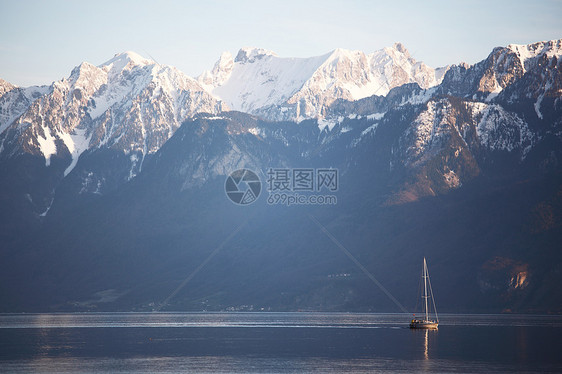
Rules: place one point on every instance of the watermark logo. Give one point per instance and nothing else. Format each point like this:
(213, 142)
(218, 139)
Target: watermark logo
(301, 186)
(242, 187)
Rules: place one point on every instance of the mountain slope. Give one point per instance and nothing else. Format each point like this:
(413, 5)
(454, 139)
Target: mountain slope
(487, 240)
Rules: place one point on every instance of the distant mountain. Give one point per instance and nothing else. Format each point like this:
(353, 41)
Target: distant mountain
(259, 82)
(113, 183)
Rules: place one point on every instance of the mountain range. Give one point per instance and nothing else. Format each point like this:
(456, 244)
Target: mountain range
(113, 183)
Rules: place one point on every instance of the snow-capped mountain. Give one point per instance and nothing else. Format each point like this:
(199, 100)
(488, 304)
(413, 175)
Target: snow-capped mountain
(128, 105)
(257, 81)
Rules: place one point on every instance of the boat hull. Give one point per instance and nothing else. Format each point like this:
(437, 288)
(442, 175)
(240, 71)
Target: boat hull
(426, 325)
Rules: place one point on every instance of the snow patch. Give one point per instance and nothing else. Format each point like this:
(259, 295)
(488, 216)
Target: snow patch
(537, 106)
(420, 97)
(329, 122)
(369, 129)
(376, 116)
(255, 131)
(76, 144)
(134, 160)
(494, 93)
(538, 103)
(47, 145)
(44, 214)
(126, 59)
(216, 117)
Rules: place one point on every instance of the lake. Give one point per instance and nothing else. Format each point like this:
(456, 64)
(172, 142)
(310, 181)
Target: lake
(276, 343)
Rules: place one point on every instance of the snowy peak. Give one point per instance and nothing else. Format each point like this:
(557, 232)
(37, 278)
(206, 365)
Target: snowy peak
(397, 53)
(88, 78)
(5, 87)
(529, 52)
(401, 48)
(344, 54)
(127, 60)
(252, 54)
(257, 81)
(220, 73)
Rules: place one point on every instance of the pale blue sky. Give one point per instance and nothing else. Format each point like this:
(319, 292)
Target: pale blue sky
(41, 41)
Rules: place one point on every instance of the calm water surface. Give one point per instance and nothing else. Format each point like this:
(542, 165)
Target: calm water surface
(276, 343)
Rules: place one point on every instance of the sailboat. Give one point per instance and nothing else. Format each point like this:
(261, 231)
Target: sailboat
(425, 322)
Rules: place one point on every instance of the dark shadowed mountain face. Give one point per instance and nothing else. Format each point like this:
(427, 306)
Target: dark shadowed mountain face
(466, 173)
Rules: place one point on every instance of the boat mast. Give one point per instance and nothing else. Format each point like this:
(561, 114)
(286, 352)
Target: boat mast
(425, 288)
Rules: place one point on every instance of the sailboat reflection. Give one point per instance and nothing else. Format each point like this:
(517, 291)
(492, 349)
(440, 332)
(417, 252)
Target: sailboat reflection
(424, 340)
(426, 345)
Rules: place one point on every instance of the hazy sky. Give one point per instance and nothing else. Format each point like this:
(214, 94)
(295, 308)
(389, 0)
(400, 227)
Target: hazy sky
(41, 41)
